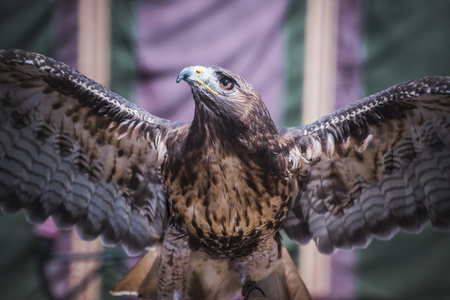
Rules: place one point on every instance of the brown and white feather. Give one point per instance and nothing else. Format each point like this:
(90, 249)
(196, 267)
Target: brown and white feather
(73, 149)
(216, 192)
(374, 167)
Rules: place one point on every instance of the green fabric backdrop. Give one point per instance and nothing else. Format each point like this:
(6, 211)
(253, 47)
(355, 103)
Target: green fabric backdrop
(405, 39)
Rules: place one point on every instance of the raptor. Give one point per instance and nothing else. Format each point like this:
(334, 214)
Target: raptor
(213, 195)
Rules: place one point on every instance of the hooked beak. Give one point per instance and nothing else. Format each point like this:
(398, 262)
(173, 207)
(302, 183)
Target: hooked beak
(192, 75)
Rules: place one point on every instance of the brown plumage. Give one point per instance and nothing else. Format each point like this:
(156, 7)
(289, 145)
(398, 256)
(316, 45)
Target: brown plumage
(212, 195)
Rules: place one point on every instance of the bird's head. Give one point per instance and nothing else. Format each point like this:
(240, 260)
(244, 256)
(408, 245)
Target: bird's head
(226, 101)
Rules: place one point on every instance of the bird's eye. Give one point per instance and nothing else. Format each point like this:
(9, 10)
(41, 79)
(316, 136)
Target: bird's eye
(226, 83)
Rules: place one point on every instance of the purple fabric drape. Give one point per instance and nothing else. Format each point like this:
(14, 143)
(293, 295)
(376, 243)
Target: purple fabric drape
(243, 36)
(66, 32)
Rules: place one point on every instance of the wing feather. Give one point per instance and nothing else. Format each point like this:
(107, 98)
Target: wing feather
(73, 149)
(382, 165)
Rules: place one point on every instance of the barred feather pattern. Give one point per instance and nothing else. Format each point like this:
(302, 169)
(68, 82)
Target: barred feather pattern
(73, 149)
(374, 167)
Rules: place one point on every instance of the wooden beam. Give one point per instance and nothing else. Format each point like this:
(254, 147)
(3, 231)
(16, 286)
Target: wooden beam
(94, 62)
(318, 100)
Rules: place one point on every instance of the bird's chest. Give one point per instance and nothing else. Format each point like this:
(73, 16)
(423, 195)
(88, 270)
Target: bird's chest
(226, 203)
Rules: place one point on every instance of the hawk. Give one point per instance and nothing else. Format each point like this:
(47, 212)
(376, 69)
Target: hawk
(213, 195)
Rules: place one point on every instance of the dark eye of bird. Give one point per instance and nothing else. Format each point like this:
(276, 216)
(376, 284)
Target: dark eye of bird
(226, 83)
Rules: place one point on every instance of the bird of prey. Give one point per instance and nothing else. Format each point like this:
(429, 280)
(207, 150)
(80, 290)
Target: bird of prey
(213, 195)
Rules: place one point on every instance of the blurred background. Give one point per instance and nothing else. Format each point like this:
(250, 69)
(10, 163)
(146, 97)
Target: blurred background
(305, 58)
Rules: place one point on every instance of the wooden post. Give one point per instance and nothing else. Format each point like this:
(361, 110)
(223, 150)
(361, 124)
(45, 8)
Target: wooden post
(94, 62)
(318, 100)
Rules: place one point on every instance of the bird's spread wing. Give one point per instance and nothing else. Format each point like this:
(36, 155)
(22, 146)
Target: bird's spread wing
(73, 149)
(373, 167)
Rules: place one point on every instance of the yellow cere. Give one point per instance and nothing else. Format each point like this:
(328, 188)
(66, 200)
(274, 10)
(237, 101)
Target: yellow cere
(198, 71)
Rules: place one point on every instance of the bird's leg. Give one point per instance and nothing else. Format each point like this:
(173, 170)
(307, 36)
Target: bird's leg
(256, 267)
(250, 289)
(173, 265)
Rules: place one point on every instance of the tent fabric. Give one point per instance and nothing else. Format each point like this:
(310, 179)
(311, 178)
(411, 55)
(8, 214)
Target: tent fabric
(262, 41)
(405, 40)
